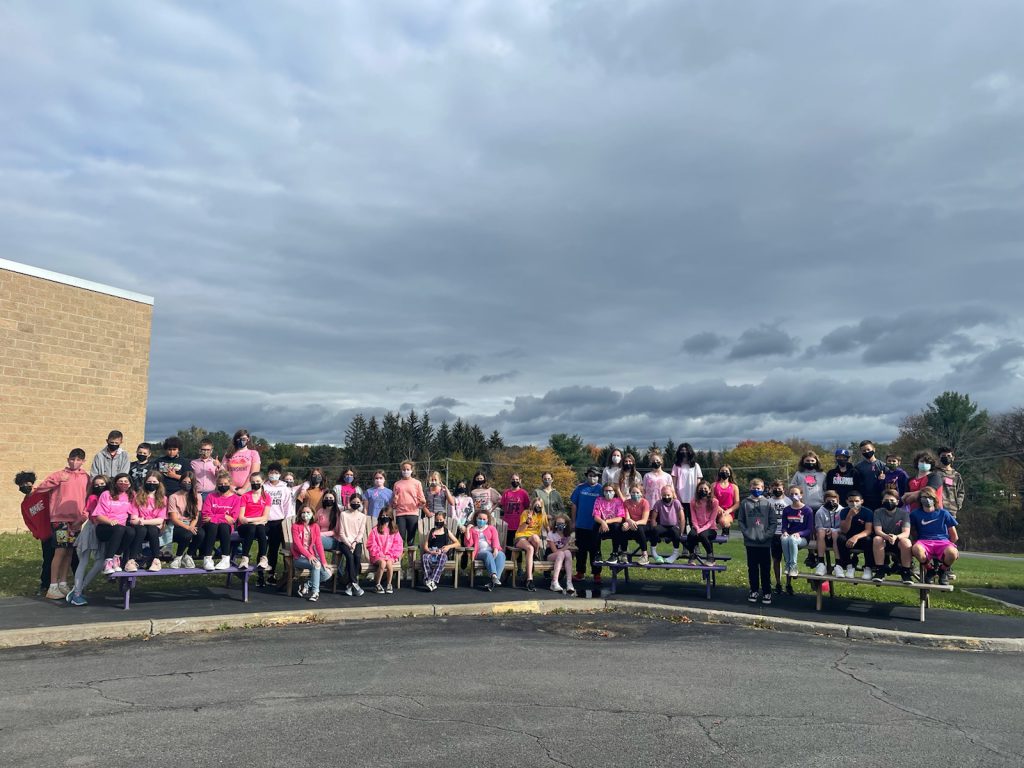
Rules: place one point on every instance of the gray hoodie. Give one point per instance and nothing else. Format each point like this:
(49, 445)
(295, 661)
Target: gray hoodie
(758, 520)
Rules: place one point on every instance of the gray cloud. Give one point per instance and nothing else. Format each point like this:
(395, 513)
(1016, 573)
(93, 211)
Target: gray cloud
(493, 378)
(763, 341)
(443, 402)
(702, 343)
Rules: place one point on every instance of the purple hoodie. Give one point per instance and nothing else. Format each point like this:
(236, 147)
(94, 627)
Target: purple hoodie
(798, 522)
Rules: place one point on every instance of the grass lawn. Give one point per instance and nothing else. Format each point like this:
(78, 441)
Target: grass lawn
(20, 560)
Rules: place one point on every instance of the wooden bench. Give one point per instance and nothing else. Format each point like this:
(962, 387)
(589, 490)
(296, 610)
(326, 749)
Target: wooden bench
(126, 580)
(709, 568)
(923, 589)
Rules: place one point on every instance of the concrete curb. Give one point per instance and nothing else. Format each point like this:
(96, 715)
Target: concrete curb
(122, 630)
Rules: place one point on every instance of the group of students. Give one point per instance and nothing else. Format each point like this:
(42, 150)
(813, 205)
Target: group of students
(102, 520)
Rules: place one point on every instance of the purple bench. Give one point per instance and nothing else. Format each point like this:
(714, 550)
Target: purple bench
(126, 580)
(709, 569)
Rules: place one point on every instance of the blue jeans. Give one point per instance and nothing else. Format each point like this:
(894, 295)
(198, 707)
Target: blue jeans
(791, 545)
(494, 563)
(329, 543)
(314, 579)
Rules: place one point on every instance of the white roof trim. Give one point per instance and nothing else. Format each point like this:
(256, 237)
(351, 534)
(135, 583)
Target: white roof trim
(77, 282)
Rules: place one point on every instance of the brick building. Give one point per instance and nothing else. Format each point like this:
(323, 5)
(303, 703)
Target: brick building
(75, 365)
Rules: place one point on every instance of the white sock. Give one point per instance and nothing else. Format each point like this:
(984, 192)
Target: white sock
(53, 585)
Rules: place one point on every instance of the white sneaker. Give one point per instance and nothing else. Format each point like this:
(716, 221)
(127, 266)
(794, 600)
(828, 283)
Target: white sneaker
(358, 590)
(495, 580)
(820, 569)
(557, 588)
(108, 566)
(838, 571)
(673, 557)
(348, 590)
(851, 572)
(263, 564)
(187, 562)
(131, 566)
(243, 563)
(63, 587)
(53, 593)
(793, 571)
(208, 563)
(156, 565)
(223, 564)
(175, 563)
(866, 573)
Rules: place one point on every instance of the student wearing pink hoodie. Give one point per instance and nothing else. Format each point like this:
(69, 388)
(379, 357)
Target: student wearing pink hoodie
(219, 515)
(110, 516)
(241, 461)
(385, 545)
(148, 515)
(68, 491)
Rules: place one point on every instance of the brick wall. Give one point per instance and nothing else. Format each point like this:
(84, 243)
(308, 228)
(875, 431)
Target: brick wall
(74, 365)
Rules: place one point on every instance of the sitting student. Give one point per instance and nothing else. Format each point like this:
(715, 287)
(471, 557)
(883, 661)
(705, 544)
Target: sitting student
(704, 512)
(758, 521)
(664, 524)
(638, 514)
(69, 490)
(253, 514)
(307, 552)
(779, 500)
(350, 534)
(183, 510)
(935, 531)
(826, 533)
(532, 524)
(88, 546)
(558, 542)
(149, 513)
(891, 526)
(727, 494)
(385, 545)
(327, 515)
(436, 546)
(111, 515)
(797, 530)
(855, 524)
(219, 514)
(609, 514)
(282, 506)
(482, 538)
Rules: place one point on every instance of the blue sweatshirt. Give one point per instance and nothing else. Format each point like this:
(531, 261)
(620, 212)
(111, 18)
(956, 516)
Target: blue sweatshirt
(798, 522)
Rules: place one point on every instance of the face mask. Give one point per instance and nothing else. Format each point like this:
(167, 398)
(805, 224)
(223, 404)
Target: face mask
(151, 486)
(186, 486)
(629, 466)
(123, 487)
(315, 480)
(516, 483)
(889, 504)
(636, 496)
(328, 501)
(478, 482)
(96, 489)
(379, 482)
(142, 457)
(559, 526)
(434, 483)
(757, 492)
(257, 486)
(927, 505)
(702, 493)
(406, 473)
(348, 478)
(831, 504)
(460, 490)
(357, 505)
(538, 510)
(777, 492)
(657, 463)
(723, 475)
(240, 442)
(609, 494)
(274, 477)
(810, 465)
(290, 482)
(112, 447)
(223, 488)
(892, 465)
(842, 461)
(868, 455)
(616, 459)
(945, 461)
(666, 499)
(592, 479)
(547, 481)
(481, 523)
(924, 466)
(382, 520)
(307, 516)
(797, 497)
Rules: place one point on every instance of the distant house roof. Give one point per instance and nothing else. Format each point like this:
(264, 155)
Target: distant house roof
(77, 282)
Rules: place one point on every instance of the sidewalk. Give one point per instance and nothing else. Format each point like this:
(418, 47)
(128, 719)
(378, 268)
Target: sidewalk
(153, 602)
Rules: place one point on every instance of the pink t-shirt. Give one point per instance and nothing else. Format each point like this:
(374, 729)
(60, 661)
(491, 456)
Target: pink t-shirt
(726, 496)
(242, 464)
(608, 509)
(149, 510)
(408, 496)
(117, 509)
(255, 507)
(653, 483)
(513, 502)
(217, 508)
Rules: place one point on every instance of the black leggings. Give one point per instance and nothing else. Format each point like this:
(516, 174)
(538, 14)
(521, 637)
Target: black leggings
(614, 533)
(665, 533)
(143, 534)
(588, 544)
(407, 526)
(275, 538)
(214, 532)
(686, 514)
(759, 564)
(705, 539)
(115, 538)
(250, 531)
(187, 542)
(639, 535)
(846, 552)
(353, 559)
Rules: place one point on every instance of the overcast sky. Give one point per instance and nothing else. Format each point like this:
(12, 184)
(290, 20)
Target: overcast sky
(703, 221)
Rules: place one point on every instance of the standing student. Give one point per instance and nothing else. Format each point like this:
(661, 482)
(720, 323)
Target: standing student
(704, 513)
(482, 538)
(206, 468)
(927, 477)
(826, 533)
(588, 541)
(855, 534)
(183, 508)
(629, 476)
(111, 515)
(936, 534)
(686, 473)
(139, 468)
(172, 465)
(88, 546)
(253, 516)
(758, 521)
(893, 477)
(665, 524)
(485, 498)
(282, 507)
(113, 459)
(547, 493)
(513, 501)
(527, 537)
(613, 470)
(868, 469)
(810, 479)
(891, 529)
(797, 529)
(148, 515)
(346, 487)
(609, 514)
(436, 546)
(408, 502)
(439, 498)
(727, 494)
(953, 491)
(241, 461)
(385, 546)
(311, 491)
(68, 489)
(778, 499)
(841, 478)
(559, 542)
(35, 511)
(219, 515)
(462, 510)
(638, 515)
(378, 496)
(350, 535)
(656, 479)
(308, 553)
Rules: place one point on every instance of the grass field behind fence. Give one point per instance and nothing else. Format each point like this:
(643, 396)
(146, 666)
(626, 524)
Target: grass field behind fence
(20, 560)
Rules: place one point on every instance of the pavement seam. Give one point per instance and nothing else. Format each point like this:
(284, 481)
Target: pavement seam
(19, 638)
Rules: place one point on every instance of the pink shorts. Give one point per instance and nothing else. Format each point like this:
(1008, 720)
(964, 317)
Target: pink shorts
(935, 548)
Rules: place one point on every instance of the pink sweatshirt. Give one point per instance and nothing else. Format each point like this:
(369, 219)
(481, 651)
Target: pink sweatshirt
(704, 513)
(473, 536)
(68, 491)
(149, 510)
(306, 543)
(218, 509)
(242, 464)
(117, 509)
(386, 544)
(408, 496)
(608, 509)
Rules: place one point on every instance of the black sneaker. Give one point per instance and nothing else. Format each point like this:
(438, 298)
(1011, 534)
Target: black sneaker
(753, 597)
(766, 598)
(789, 589)
(811, 561)
(778, 589)
(880, 573)
(489, 587)
(929, 576)
(907, 575)
(529, 586)
(944, 577)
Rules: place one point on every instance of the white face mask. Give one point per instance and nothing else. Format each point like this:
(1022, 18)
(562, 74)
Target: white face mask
(406, 473)
(307, 516)
(609, 494)
(274, 477)
(379, 482)
(616, 459)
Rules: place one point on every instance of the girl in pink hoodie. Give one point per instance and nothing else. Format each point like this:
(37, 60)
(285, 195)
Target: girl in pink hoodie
(385, 545)
(148, 515)
(219, 515)
(241, 461)
(111, 514)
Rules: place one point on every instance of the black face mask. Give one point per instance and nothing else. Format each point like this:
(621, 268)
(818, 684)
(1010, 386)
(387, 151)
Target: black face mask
(143, 458)
(777, 493)
(945, 461)
(628, 467)
(559, 526)
(810, 465)
(328, 501)
(314, 481)
(186, 486)
(257, 486)
(438, 524)
(723, 475)
(112, 447)
(240, 443)
(868, 455)
(889, 504)
(223, 488)
(516, 483)
(98, 489)
(831, 505)
(460, 490)
(383, 520)
(478, 483)
(25, 488)
(702, 493)
(151, 486)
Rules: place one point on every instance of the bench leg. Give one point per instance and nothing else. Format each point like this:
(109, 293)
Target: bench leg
(127, 585)
(245, 587)
(924, 602)
(615, 579)
(707, 584)
(817, 596)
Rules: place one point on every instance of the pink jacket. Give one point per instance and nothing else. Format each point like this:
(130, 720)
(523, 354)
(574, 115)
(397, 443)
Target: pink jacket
(387, 544)
(68, 491)
(315, 547)
(473, 536)
(217, 508)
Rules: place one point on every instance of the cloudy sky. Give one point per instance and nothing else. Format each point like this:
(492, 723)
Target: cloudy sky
(631, 220)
